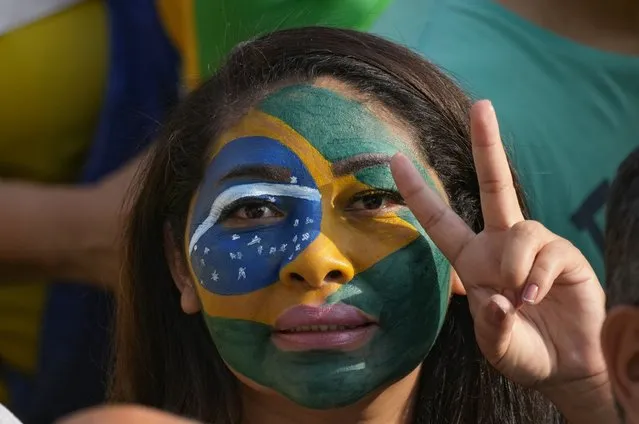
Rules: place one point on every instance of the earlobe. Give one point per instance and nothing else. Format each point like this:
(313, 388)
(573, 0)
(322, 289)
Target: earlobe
(620, 344)
(179, 271)
(456, 286)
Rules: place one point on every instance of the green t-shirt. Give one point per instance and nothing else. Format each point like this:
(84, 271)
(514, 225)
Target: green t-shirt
(221, 24)
(569, 114)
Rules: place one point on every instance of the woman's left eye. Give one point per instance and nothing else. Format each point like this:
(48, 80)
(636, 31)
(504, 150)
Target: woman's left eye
(375, 201)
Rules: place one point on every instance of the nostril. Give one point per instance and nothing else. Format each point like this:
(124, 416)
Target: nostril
(296, 277)
(334, 276)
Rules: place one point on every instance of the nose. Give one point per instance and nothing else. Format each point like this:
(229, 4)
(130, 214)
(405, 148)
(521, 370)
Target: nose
(321, 262)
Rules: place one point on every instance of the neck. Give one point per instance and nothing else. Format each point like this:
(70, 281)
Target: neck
(611, 25)
(392, 405)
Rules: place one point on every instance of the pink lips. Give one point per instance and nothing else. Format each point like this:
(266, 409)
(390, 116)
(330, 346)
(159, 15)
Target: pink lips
(325, 327)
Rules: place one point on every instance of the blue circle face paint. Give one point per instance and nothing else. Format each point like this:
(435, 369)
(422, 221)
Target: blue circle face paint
(236, 260)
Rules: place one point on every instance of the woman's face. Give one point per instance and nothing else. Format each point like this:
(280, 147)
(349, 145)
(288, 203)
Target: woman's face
(315, 280)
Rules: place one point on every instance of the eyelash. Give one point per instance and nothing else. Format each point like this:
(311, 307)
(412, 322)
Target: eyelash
(392, 195)
(233, 207)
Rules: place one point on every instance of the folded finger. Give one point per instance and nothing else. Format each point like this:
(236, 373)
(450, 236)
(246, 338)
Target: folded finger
(523, 242)
(554, 259)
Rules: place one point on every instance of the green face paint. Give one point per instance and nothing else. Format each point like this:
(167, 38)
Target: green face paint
(401, 279)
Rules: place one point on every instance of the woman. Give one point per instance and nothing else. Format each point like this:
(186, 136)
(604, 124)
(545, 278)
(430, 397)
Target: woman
(269, 206)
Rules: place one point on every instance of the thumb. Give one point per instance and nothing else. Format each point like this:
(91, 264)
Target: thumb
(494, 321)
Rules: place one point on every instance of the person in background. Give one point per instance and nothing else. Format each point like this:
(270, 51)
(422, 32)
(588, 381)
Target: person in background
(562, 75)
(620, 335)
(83, 84)
(81, 92)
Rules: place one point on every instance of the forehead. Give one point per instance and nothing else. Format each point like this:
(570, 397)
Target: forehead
(312, 120)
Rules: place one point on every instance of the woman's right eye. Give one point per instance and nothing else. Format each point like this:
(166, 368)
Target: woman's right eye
(249, 214)
(254, 212)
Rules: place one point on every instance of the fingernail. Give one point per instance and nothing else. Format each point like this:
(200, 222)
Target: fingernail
(498, 313)
(530, 293)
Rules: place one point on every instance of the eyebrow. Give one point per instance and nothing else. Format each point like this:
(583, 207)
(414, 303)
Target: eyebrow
(357, 163)
(271, 173)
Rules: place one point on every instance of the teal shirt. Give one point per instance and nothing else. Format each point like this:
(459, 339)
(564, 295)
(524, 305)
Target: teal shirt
(569, 114)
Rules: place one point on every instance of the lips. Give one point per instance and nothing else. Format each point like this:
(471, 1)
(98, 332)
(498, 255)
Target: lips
(325, 327)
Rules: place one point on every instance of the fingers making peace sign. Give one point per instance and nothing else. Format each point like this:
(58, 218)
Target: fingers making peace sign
(536, 303)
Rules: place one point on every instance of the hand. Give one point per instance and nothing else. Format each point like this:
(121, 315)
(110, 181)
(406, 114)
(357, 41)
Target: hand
(537, 305)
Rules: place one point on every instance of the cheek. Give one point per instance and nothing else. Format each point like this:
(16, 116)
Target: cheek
(414, 285)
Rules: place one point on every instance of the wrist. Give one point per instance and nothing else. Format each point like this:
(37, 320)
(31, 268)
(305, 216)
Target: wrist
(585, 401)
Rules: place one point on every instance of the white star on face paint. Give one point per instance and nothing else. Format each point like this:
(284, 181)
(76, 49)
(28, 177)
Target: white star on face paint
(233, 255)
(235, 237)
(241, 274)
(293, 180)
(295, 238)
(215, 276)
(272, 250)
(259, 250)
(255, 240)
(283, 247)
(206, 250)
(271, 199)
(239, 255)
(296, 223)
(202, 262)
(195, 248)
(309, 221)
(297, 247)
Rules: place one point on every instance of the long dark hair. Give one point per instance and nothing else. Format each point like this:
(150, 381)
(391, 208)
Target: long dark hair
(166, 359)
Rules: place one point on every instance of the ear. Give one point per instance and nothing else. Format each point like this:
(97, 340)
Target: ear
(456, 286)
(620, 343)
(180, 273)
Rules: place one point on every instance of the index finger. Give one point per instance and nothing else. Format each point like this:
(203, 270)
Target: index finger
(499, 202)
(447, 230)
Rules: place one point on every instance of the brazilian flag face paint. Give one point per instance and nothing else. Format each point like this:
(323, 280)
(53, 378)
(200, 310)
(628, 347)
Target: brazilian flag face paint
(314, 279)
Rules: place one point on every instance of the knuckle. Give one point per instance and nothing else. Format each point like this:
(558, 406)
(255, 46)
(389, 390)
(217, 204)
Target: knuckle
(526, 230)
(431, 220)
(494, 186)
(544, 265)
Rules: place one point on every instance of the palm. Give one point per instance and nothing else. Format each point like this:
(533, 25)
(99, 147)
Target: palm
(540, 342)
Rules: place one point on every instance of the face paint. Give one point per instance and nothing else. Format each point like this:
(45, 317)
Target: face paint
(278, 223)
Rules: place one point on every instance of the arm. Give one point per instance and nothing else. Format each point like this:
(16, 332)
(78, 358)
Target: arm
(67, 232)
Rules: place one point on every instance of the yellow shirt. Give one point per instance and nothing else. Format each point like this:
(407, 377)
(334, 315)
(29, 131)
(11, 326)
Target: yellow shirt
(52, 81)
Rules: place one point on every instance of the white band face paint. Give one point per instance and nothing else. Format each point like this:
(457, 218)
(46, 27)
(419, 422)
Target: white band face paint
(250, 190)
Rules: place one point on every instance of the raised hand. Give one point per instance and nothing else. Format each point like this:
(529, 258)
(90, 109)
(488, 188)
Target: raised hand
(537, 305)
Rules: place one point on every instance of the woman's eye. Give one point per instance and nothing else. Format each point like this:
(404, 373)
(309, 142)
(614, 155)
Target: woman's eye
(257, 211)
(375, 202)
(248, 214)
